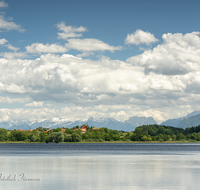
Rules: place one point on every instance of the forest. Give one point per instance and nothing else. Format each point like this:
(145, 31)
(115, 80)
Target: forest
(145, 133)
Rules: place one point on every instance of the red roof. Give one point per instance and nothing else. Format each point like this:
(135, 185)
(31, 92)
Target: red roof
(63, 130)
(84, 127)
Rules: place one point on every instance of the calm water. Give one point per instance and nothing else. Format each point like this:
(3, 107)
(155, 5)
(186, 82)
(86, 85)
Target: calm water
(99, 166)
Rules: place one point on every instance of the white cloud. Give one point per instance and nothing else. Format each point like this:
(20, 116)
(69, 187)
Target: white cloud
(13, 55)
(140, 37)
(69, 79)
(65, 75)
(85, 54)
(69, 31)
(178, 55)
(12, 47)
(147, 86)
(3, 41)
(9, 25)
(3, 4)
(35, 104)
(6, 99)
(119, 112)
(48, 48)
(187, 40)
(89, 45)
(19, 114)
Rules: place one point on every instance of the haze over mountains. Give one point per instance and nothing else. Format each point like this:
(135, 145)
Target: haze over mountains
(192, 119)
(128, 125)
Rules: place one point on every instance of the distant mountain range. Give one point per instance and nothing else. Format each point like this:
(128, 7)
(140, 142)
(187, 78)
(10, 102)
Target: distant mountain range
(192, 119)
(128, 125)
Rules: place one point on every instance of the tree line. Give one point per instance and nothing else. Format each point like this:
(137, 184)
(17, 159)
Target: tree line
(141, 133)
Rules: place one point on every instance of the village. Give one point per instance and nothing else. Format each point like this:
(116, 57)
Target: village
(83, 128)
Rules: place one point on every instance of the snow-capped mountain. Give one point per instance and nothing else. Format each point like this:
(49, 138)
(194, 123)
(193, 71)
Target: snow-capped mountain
(192, 119)
(128, 125)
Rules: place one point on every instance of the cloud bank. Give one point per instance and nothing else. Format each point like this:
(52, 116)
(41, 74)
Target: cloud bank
(149, 84)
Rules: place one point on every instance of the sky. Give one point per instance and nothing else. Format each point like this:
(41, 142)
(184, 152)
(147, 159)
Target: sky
(71, 60)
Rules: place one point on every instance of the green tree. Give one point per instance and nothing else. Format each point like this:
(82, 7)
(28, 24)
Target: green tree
(188, 136)
(67, 137)
(39, 128)
(57, 129)
(180, 136)
(79, 132)
(133, 137)
(58, 136)
(161, 130)
(107, 137)
(34, 136)
(166, 137)
(3, 134)
(173, 137)
(117, 137)
(18, 136)
(42, 136)
(76, 137)
(144, 138)
(138, 135)
(69, 131)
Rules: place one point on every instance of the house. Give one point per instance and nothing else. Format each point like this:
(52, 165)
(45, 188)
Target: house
(83, 128)
(63, 130)
(18, 130)
(95, 128)
(29, 131)
(48, 130)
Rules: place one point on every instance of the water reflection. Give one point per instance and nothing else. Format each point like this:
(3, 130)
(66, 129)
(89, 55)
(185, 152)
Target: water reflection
(101, 166)
(104, 172)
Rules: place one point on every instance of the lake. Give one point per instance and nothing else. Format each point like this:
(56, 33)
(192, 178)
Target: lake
(106, 166)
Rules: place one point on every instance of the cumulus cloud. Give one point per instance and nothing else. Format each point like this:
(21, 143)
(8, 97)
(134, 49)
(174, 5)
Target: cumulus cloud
(178, 55)
(48, 48)
(13, 55)
(64, 75)
(35, 104)
(9, 25)
(90, 44)
(140, 37)
(145, 85)
(69, 79)
(69, 31)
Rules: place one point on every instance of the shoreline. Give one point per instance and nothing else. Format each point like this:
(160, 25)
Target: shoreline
(105, 142)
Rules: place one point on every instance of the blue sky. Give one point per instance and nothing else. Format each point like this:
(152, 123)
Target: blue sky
(68, 60)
